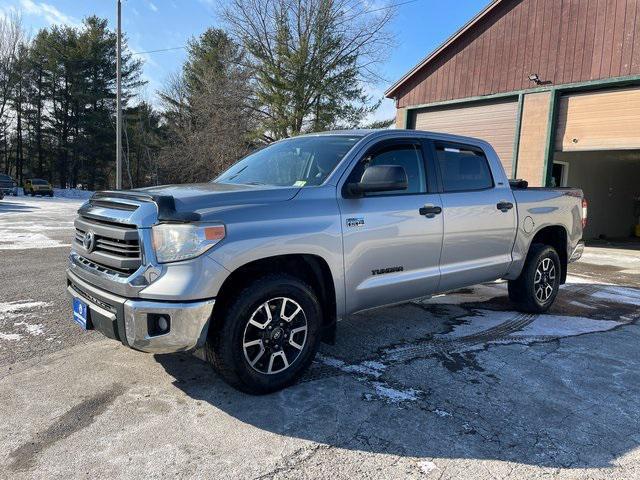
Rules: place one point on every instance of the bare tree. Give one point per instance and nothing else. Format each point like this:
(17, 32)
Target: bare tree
(11, 38)
(311, 58)
(208, 110)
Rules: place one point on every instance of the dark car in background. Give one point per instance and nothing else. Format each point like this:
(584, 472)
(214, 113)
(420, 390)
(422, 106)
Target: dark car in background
(8, 185)
(37, 186)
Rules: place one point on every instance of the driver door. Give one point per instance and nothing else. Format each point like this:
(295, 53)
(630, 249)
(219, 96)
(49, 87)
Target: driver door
(392, 245)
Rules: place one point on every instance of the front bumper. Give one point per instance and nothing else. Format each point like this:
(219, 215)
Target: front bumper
(131, 321)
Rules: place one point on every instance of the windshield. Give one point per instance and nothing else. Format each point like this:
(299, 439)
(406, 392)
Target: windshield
(297, 162)
(37, 181)
(5, 178)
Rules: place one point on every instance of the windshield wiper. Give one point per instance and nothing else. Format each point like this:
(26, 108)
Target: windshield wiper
(238, 173)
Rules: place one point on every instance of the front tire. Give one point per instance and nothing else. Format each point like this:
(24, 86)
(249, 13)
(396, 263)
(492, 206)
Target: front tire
(535, 290)
(267, 336)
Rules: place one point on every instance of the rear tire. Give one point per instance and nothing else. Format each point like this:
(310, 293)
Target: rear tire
(535, 290)
(259, 352)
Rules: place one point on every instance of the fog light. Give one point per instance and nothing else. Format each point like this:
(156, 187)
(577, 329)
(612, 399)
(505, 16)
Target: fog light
(158, 324)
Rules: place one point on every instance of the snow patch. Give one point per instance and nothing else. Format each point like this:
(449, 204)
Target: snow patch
(373, 369)
(442, 413)
(540, 326)
(560, 326)
(31, 329)
(22, 240)
(72, 193)
(394, 395)
(7, 308)
(616, 258)
(38, 226)
(474, 324)
(619, 295)
(426, 466)
(10, 336)
(10, 311)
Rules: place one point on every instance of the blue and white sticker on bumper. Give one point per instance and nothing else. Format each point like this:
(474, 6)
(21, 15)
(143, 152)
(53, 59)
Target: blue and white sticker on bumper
(80, 312)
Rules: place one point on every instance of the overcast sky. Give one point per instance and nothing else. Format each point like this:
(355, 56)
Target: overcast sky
(420, 26)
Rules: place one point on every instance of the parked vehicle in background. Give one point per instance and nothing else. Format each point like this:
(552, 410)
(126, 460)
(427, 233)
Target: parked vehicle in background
(258, 265)
(8, 185)
(37, 186)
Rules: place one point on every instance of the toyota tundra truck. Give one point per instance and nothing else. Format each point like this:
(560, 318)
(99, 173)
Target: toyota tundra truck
(258, 265)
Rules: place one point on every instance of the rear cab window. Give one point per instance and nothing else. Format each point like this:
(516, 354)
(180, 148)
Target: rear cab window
(463, 168)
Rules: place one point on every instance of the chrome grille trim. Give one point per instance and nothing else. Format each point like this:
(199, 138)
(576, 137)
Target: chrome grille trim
(116, 247)
(124, 262)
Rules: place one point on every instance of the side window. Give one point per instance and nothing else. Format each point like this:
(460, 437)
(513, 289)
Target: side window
(408, 156)
(463, 168)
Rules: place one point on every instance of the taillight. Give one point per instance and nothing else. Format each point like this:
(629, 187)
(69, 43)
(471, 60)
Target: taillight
(584, 212)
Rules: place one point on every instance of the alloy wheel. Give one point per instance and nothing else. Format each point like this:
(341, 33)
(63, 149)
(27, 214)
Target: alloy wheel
(544, 280)
(275, 335)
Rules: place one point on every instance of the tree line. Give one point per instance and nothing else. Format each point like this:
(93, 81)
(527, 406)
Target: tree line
(274, 69)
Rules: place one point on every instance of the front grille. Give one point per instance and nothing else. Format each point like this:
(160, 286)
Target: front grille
(116, 248)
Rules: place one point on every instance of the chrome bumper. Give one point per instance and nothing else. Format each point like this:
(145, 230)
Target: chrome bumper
(577, 252)
(131, 321)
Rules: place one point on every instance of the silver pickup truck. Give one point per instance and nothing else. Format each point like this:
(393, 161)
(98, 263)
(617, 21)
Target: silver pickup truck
(259, 264)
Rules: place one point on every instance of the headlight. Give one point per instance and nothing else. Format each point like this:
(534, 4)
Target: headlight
(175, 241)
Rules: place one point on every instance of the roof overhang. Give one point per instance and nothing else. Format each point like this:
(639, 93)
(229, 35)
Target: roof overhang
(483, 13)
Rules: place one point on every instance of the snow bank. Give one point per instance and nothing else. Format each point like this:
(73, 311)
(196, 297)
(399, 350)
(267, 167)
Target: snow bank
(72, 193)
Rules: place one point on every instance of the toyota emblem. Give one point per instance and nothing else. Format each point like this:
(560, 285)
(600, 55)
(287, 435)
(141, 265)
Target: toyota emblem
(89, 241)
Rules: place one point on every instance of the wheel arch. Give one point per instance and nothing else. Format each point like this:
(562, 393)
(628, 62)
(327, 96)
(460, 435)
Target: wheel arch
(309, 267)
(555, 236)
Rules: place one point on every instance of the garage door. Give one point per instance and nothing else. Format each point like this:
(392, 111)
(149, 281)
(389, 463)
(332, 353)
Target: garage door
(493, 122)
(605, 120)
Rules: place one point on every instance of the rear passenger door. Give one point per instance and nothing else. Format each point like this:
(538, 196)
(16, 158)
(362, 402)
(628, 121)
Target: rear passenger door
(479, 216)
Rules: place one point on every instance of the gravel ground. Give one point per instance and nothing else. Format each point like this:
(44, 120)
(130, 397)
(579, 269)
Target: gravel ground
(457, 386)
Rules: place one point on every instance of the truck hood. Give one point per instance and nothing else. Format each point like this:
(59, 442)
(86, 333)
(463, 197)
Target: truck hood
(207, 196)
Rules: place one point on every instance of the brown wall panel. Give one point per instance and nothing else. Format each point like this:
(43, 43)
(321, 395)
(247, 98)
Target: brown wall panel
(563, 41)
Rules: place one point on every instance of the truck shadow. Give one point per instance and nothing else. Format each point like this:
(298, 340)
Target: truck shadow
(470, 380)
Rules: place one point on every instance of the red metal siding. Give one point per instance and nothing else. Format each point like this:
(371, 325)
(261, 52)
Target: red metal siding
(563, 41)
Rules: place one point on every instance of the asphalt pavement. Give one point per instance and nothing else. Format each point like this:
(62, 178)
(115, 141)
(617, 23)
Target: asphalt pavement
(457, 386)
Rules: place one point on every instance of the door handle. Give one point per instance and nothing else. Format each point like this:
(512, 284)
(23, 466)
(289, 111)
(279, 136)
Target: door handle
(504, 206)
(430, 211)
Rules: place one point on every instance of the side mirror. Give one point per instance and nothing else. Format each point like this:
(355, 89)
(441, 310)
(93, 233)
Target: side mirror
(379, 178)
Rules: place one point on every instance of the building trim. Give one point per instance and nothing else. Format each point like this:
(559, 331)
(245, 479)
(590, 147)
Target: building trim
(551, 131)
(589, 85)
(516, 138)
